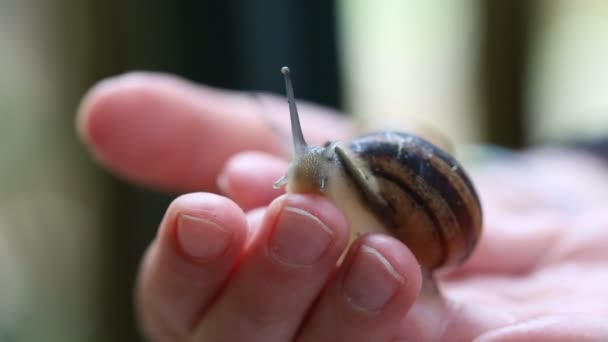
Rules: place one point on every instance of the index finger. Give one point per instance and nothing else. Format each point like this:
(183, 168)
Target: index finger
(168, 133)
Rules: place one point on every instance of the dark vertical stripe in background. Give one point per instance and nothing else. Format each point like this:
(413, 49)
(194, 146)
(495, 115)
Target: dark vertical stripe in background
(243, 44)
(505, 29)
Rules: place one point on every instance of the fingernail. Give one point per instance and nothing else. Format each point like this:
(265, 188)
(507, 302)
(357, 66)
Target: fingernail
(201, 238)
(371, 281)
(300, 238)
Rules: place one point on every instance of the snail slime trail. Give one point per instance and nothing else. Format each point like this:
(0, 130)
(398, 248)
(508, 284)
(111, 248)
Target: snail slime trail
(395, 183)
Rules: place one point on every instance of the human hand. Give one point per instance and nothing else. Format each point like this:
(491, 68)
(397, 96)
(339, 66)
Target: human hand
(214, 271)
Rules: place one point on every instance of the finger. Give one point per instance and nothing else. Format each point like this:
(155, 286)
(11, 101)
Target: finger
(565, 327)
(197, 244)
(440, 319)
(532, 236)
(248, 177)
(376, 286)
(165, 132)
(298, 245)
(519, 215)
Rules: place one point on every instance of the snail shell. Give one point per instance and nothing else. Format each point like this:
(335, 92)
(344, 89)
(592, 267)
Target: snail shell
(392, 182)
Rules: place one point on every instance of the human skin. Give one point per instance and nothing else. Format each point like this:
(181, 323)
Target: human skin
(256, 265)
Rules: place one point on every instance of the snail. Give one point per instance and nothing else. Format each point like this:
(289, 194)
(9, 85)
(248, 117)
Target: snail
(391, 182)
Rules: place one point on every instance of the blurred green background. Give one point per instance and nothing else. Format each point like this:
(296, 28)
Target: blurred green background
(510, 73)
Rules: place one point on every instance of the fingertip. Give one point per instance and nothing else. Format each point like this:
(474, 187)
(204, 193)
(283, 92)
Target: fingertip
(86, 106)
(319, 207)
(132, 122)
(381, 275)
(100, 100)
(247, 178)
(83, 112)
(193, 220)
(375, 287)
(294, 220)
(197, 245)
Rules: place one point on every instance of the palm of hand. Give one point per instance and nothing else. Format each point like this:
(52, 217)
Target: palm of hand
(539, 272)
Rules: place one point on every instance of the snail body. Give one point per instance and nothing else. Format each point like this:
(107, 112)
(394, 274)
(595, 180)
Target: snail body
(392, 182)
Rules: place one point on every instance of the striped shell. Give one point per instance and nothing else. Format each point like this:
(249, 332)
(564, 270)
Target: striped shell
(429, 202)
